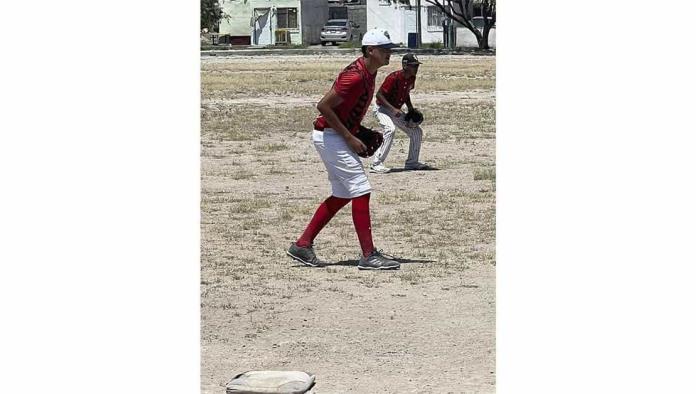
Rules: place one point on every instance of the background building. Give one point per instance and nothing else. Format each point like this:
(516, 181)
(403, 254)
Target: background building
(273, 22)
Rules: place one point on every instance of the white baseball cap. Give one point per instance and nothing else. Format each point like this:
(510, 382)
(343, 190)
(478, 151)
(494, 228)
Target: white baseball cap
(378, 38)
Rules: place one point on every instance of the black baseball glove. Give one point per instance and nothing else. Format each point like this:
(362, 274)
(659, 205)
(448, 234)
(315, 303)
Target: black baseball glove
(415, 117)
(372, 140)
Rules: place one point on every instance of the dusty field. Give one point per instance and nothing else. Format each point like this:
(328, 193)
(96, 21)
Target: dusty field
(427, 328)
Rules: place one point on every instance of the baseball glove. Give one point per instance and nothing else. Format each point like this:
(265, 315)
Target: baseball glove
(372, 140)
(414, 117)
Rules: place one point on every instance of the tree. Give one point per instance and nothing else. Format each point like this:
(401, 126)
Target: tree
(211, 14)
(462, 11)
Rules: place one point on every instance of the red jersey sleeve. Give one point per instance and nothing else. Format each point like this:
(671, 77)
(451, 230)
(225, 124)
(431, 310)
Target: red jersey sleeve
(388, 83)
(348, 84)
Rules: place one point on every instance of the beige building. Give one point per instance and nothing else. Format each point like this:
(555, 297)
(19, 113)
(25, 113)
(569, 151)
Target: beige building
(273, 22)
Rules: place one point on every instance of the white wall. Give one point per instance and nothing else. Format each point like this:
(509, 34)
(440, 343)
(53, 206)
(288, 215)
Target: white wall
(393, 18)
(388, 17)
(238, 22)
(429, 34)
(467, 39)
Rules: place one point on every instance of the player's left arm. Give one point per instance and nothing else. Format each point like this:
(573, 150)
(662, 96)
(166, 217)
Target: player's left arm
(408, 97)
(408, 102)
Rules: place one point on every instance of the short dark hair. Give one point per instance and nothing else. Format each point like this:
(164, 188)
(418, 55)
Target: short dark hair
(364, 50)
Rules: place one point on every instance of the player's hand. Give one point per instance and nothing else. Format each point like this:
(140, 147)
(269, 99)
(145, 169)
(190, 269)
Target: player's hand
(398, 113)
(356, 145)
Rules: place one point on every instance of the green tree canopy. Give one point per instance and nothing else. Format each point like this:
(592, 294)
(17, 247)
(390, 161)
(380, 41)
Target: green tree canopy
(463, 11)
(211, 14)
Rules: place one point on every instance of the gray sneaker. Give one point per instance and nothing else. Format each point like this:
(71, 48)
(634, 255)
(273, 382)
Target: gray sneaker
(377, 261)
(305, 256)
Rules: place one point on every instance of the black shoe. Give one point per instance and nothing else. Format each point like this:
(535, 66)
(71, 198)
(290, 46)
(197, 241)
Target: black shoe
(377, 261)
(305, 256)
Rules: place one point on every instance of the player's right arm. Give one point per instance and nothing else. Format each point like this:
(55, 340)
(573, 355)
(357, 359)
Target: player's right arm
(326, 107)
(387, 85)
(396, 112)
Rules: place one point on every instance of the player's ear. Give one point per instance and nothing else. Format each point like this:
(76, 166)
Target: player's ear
(371, 50)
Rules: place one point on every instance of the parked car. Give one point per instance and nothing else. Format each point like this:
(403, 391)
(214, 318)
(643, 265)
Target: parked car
(337, 30)
(478, 22)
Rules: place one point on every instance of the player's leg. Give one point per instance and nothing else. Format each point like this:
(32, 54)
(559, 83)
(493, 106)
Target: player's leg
(371, 259)
(361, 220)
(349, 181)
(415, 136)
(302, 250)
(387, 124)
(322, 216)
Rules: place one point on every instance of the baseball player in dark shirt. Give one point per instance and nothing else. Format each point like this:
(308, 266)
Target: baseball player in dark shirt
(342, 109)
(392, 95)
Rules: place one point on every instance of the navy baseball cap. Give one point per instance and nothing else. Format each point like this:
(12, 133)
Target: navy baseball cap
(410, 59)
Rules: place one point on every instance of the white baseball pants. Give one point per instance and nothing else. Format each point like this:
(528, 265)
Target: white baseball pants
(389, 124)
(346, 173)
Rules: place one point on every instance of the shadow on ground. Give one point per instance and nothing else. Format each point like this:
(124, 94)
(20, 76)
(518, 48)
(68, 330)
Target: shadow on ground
(401, 260)
(354, 263)
(392, 170)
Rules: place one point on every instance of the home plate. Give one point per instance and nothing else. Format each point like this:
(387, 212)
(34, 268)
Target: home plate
(266, 382)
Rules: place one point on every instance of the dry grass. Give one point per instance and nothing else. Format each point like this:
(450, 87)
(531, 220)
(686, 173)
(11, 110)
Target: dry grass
(251, 123)
(245, 78)
(262, 181)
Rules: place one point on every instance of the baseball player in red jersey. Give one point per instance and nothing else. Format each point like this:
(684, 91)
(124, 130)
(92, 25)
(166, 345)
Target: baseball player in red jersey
(392, 95)
(342, 109)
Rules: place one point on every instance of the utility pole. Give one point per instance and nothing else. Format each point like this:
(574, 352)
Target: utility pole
(419, 42)
(450, 29)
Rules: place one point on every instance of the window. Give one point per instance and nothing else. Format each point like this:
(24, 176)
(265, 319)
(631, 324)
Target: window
(435, 17)
(287, 18)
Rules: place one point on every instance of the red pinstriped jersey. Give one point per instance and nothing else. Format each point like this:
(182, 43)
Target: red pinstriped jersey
(355, 85)
(396, 88)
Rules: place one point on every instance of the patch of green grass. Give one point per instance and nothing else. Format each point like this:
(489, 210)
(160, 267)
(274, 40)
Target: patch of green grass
(370, 281)
(410, 277)
(272, 147)
(241, 174)
(399, 197)
(233, 134)
(291, 46)
(349, 44)
(434, 45)
(484, 174)
(275, 170)
(483, 257)
(286, 216)
(250, 206)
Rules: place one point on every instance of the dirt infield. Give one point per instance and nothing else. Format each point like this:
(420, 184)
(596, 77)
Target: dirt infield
(427, 328)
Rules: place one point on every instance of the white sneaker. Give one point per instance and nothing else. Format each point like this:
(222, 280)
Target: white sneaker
(379, 169)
